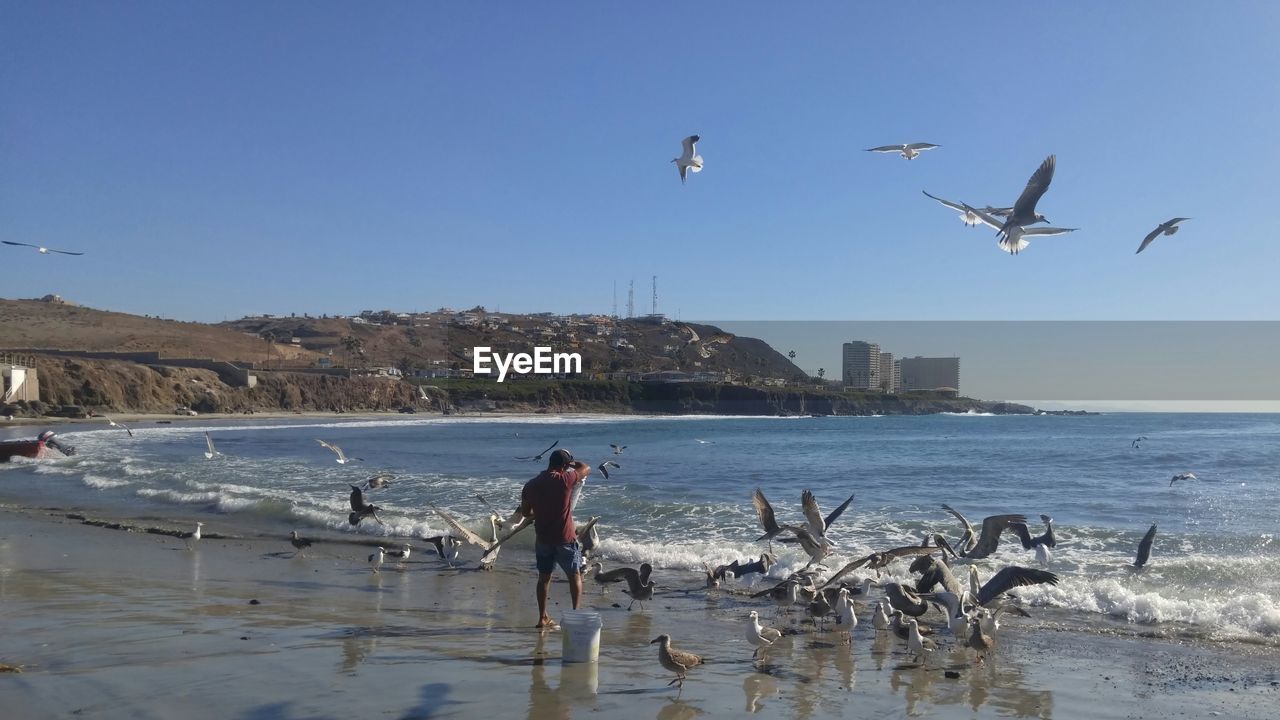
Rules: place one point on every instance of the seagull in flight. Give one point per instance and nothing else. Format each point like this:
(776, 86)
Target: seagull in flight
(342, 457)
(360, 509)
(617, 449)
(1165, 228)
(1135, 444)
(1013, 238)
(604, 467)
(42, 250)
(689, 159)
(1024, 210)
(967, 217)
(113, 423)
(909, 151)
(1182, 476)
(539, 455)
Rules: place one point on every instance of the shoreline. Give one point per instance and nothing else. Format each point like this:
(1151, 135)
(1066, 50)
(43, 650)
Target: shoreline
(327, 635)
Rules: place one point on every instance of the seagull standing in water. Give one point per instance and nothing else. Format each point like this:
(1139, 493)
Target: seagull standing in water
(446, 547)
(1165, 228)
(760, 636)
(689, 160)
(194, 537)
(40, 249)
(677, 661)
(342, 457)
(909, 151)
(375, 560)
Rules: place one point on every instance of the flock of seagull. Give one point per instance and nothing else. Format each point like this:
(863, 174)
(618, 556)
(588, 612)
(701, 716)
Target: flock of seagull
(940, 601)
(1014, 226)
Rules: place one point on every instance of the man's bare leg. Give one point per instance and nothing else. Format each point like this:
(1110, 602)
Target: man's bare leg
(544, 588)
(575, 588)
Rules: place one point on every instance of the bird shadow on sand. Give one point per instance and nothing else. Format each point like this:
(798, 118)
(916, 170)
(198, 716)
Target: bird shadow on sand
(280, 711)
(434, 697)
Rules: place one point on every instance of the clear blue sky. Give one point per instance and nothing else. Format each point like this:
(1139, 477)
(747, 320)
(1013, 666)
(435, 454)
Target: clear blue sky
(218, 159)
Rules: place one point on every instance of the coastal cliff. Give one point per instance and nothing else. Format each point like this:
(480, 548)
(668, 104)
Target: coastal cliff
(73, 386)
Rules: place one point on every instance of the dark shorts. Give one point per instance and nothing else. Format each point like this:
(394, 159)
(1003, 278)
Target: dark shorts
(568, 557)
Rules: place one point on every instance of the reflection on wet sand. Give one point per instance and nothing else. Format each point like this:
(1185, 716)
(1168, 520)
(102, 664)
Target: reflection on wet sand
(578, 683)
(356, 647)
(999, 685)
(678, 710)
(757, 687)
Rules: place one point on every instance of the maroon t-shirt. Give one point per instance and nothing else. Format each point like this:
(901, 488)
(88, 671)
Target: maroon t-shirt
(549, 495)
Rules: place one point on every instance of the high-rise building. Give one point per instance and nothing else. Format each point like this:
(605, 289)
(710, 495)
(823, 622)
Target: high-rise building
(861, 365)
(890, 379)
(922, 373)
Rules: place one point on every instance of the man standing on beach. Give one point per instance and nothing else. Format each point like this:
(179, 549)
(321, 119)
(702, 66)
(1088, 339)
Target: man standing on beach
(547, 499)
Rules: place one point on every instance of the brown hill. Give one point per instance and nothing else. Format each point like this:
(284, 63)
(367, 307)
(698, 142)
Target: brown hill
(36, 324)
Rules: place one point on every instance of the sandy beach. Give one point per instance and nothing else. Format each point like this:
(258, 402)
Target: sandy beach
(111, 623)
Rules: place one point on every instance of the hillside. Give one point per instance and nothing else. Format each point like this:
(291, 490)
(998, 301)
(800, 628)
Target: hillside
(57, 326)
(445, 340)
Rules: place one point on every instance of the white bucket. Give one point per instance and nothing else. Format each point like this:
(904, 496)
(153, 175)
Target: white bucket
(580, 630)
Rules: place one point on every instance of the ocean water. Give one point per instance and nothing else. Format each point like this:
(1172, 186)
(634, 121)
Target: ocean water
(682, 497)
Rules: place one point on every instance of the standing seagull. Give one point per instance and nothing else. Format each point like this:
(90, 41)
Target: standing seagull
(401, 555)
(375, 560)
(43, 250)
(910, 151)
(113, 423)
(446, 547)
(194, 537)
(208, 454)
(1164, 228)
(677, 661)
(689, 159)
(1144, 548)
(760, 636)
(300, 544)
(342, 457)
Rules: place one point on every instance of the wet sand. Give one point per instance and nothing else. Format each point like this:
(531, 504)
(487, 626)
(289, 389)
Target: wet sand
(114, 624)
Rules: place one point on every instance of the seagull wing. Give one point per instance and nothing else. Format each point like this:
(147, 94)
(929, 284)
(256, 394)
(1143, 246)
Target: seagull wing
(1150, 237)
(812, 513)
(690, 145)
(10, 242)
(835, 514)
(968, 529)
(922, 146)
(357, 499)
(65, 252)
(954, 206)
(1144, 547)
(887, 148)
(986, 218)
(645, 571)
(1047, 230)
(992, 527)
(1012, 577)
(1036, 188)
(765, 512)
(209, 442)
(337, 450)
(462, 532)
